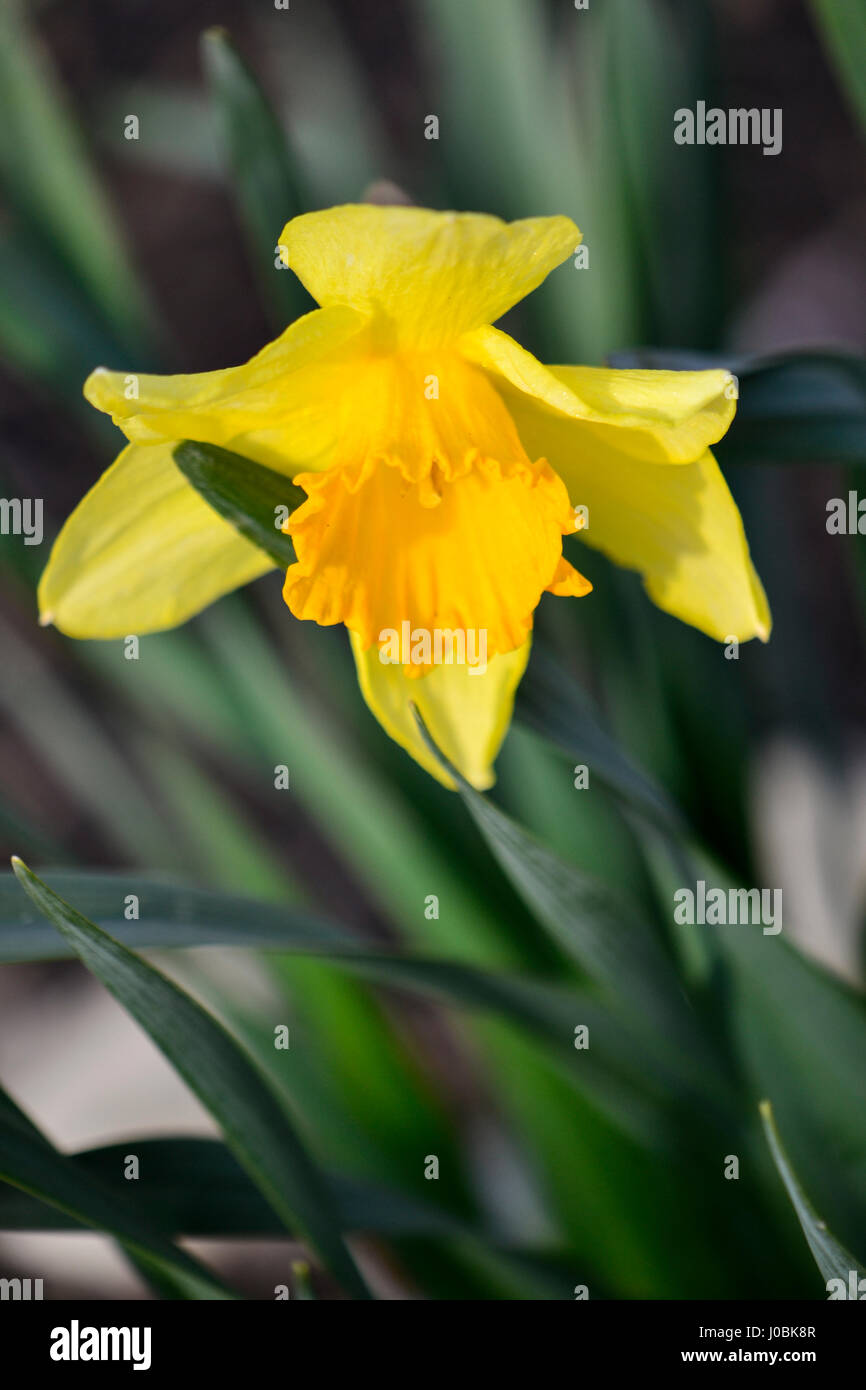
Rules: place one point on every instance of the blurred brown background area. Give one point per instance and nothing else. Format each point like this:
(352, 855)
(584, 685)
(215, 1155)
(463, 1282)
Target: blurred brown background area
(795, 227)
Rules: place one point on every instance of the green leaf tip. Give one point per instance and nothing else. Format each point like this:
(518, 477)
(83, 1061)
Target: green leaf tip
(836, 1263)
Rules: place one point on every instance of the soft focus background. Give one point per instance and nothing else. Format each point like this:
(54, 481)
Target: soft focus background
(158, 254)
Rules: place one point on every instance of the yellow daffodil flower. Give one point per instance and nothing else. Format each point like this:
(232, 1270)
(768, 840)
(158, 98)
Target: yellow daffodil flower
(442, 463)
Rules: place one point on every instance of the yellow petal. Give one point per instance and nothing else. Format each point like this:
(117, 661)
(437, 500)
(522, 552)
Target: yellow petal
(277, 409)
(679, 527)
(436, 517)
(427, 276)
(669, 417)
(141, 552)
(466, 712)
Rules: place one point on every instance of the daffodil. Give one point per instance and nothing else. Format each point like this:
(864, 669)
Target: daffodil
(443, 465)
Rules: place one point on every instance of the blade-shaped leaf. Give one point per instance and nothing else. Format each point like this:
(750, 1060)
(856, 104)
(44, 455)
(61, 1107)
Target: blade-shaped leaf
(244, 493)
(34, 1167)
(256, 1127)
(600, 933)
(196, 1187)
(49, 179)
(47, 712)
(269, 186)
(506, 87)
(833, 1260)
(551, 701)
(626, 1079)
(182, 917)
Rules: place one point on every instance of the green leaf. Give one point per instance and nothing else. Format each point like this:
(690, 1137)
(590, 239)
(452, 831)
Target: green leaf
(842, 25)
(269, 185)
(602, 934)
(196, 1188)
(649, 65)
(795, 407)
(799, 1036)
(31, 1165)
(47, 328)
(833, 1260)
(51, 716)
(170, 915)
(617, 1072)
(180, 917)
(552, 702)
(518, 141)
(245, 493)
(49, 179)
(256, 1127)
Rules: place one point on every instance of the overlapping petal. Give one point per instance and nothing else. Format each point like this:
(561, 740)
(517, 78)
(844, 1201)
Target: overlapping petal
(427, 276)
(678, 526)
(669, 417)
(373, 552)
(142, 551)
(467, 713)
(277, 409)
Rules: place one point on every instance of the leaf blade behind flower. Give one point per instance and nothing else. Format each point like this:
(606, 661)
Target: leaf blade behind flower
(216, 1068)
(269, 187)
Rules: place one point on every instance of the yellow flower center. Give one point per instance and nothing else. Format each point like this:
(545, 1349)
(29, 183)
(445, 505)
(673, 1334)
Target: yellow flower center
(431, 513)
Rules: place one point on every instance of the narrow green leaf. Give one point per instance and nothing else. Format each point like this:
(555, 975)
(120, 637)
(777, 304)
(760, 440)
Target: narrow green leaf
(269, 185)
(304, 1291)
(552, 702)
(175, 917)
(51, 716)
(833, 1260)
(170, 915)
(255, 1125)
(517, 140)
(648, 68)
(195, 1187)
(48, 177)
(585, 920)
(798, 1034)
(626, 1080)
(620, 953)
(47, 328)
(33, 1166)
(243, 492)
